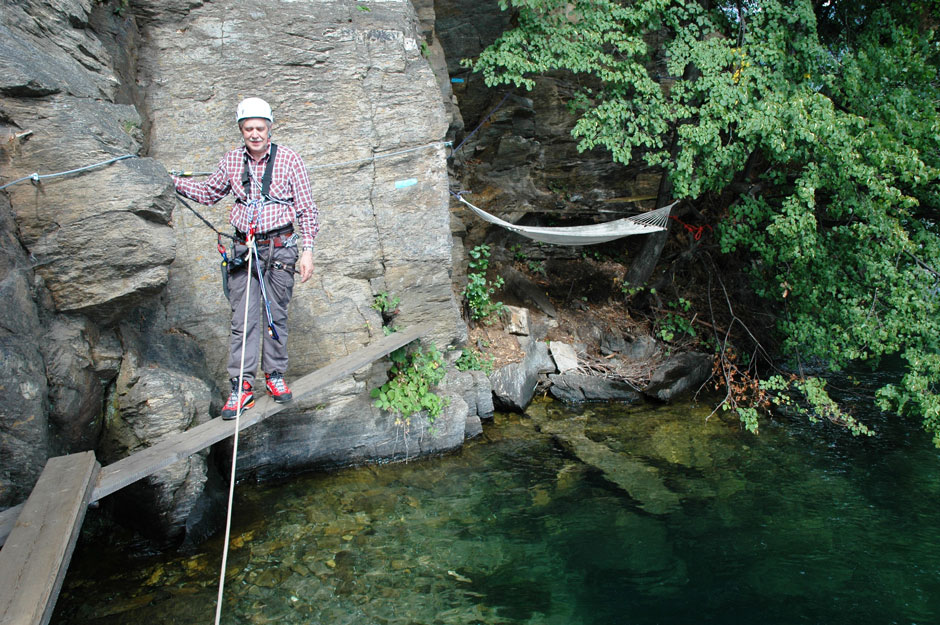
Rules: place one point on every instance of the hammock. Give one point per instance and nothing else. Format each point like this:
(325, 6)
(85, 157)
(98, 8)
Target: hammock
(653, 221)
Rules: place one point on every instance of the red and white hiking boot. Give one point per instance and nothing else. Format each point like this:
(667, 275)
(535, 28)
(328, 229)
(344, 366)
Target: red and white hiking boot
(277, 387)
(230, 410)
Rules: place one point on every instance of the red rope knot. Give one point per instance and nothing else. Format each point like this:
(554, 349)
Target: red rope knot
(695, 231)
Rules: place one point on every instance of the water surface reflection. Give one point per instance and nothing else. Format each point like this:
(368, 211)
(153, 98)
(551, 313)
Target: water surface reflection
(598, 515)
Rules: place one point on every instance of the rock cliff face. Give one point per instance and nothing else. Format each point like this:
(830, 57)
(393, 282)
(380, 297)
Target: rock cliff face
(114, 296)
(354, 95)
(82, 249)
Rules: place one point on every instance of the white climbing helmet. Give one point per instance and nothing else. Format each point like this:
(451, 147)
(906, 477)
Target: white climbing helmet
(254, 107)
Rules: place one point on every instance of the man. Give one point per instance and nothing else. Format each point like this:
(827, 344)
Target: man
(272, 195)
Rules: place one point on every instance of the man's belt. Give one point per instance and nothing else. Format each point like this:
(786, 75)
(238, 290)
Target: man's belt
(279, 236)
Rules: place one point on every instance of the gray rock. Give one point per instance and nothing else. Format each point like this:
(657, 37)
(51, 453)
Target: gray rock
(101, 238)
(75, 388)
(612, 342)
(106, 354)
(527, 292)
(643, 348)
(346, 431)
(514, 384)
(566, 358)
(156, 394)
(578, 387)
(518, 321)
(24, 434)
(474, 427)
(679, 374)
(46, 47)
(473, 387)
(350, 84)
(640, 480)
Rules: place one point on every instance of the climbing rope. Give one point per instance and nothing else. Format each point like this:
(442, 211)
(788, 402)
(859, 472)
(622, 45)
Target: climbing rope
(377, 157)
(367, 159)
(480, 125)
(238, 414)
(37, 177)
(201, 218)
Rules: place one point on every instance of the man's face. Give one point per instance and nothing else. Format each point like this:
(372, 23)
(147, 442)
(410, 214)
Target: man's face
(257, 134)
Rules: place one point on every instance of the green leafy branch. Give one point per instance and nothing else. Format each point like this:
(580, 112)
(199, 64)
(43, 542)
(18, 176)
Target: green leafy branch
(408, 391)
(479, 290)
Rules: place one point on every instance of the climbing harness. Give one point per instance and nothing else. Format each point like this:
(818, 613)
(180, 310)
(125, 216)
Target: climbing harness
(255, 206)
(227, 266)
(265, 178)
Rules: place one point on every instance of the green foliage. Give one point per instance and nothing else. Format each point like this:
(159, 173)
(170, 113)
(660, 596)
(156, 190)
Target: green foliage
(673, 324)
(826, 141)
(386, 303)
(536, 266)
(808, 397)
(474, 360)
(408, 391)
(479, 290)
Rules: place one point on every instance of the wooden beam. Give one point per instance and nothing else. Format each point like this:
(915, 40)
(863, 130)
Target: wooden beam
(37, 553)
(181, 445)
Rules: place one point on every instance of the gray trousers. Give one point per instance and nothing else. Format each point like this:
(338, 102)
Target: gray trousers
(279, 284)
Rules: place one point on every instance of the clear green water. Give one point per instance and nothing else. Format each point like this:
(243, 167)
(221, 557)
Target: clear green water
(801, 524)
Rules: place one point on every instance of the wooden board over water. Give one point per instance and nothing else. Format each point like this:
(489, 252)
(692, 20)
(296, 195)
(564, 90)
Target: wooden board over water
(181, 445)
(36, 555)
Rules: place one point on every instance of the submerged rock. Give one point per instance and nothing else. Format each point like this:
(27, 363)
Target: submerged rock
(640, 480)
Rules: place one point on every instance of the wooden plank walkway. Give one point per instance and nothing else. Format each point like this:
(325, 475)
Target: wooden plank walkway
(37, 553)
(181, 445)
(40, 534)
(146, 462)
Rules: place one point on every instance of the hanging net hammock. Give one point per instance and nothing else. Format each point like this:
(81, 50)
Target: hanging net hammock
(653, 221)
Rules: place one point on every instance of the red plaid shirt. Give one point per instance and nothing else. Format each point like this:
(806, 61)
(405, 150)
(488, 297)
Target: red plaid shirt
(289, 183)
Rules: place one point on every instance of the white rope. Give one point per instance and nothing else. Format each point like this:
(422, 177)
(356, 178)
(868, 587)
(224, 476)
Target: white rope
(377, 157)
(653, 221)
(238, 414)
(37, 177)
(190, 174)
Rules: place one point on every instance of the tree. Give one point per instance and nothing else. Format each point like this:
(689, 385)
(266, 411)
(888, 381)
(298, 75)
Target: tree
(813, 126)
